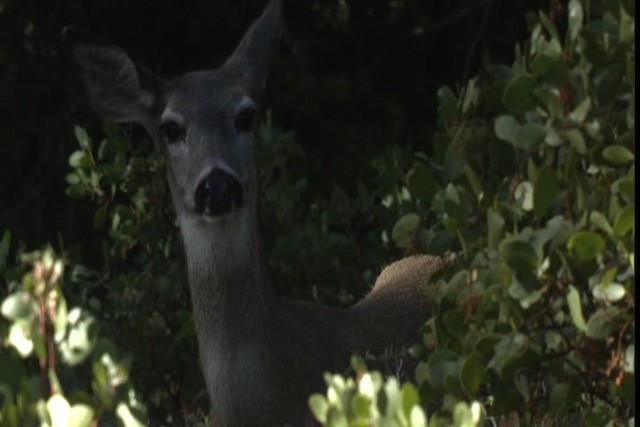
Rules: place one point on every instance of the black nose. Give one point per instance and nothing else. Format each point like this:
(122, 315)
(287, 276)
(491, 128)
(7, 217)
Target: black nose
(219, 193)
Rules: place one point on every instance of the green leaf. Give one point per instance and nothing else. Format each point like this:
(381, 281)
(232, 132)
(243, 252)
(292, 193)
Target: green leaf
(625, 221)
(79, 159)
(559, 397)
(506, 128)
(576, 140)
(470, 95)
(603, 322)
(576, 17)
(544, 191)
(617, 155)
(421, 183)
(549, 26)
(417, 417)
(454, 322)
(517, 95)
(21, 337)
(486, 344)
(529, 136)
(80, 416)
(580, 112)
(586, 245)
(630, 359)
(495, 226)
(552, 138)
(575, 309)
(599, 220)
(448, 107)
(609, 292)
(58, 409)
(405, 229)
(361, 406)
(409, 398)
(127, 417)
(508, 350)
(462, 415)
(549, 100)
(518, 255)
(473, 372)
(19, 305)
(474, 182)
(81, 337)
(454, 159)
(83, 138)
(523, 194)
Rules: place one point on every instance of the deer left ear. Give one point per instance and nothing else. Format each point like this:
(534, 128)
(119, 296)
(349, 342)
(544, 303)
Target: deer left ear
(108, 79)
(251, 60)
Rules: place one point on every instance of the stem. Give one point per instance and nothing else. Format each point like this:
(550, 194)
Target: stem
(42, 330)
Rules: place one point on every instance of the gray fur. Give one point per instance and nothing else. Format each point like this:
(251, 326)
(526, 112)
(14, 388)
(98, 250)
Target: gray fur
(261, 355)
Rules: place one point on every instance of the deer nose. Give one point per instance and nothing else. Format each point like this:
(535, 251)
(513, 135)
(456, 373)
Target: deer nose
(217, 194)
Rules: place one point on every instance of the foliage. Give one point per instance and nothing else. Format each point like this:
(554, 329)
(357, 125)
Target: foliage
(68, 350)
(372, 400)
(530, 181)
(143, 262)
(532, 184)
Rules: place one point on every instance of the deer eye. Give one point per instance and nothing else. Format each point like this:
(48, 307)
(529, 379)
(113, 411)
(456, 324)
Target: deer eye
(173, 131)
(246, 120)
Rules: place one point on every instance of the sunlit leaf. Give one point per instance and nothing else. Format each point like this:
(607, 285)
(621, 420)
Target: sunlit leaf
(609, 292)
(20, 337)
(319, 406)
(80, 416)
(58, 409)
(19, 305)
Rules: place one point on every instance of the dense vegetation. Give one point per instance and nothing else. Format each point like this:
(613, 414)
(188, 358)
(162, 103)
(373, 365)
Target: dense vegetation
(528, 179)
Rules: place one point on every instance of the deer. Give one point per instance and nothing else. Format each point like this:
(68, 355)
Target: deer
(261, 354)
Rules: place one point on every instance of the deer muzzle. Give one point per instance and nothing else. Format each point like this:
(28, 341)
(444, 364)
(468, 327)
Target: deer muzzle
(217, 194)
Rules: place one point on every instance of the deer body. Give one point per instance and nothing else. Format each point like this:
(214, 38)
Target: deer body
(261, 355)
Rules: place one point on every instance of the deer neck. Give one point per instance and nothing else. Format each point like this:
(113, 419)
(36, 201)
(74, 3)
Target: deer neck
(231, 300)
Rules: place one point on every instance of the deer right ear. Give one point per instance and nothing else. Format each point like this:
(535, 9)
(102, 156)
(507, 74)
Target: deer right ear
(107, 78)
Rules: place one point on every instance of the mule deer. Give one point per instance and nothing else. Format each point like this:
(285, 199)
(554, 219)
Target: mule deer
(262, 355)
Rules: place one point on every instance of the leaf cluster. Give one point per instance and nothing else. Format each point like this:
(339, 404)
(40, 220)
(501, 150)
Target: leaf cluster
(531, 185)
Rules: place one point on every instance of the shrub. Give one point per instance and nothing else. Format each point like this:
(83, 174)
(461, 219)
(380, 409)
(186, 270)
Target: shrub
(532, 184)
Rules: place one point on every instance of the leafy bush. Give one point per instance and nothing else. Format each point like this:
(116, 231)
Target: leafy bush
(71, 358)
(532, 184)
(530, 181)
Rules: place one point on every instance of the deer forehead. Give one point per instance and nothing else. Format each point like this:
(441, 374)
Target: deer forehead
(202, 93)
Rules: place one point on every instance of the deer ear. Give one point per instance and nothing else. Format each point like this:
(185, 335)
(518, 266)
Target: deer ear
(251, 60)
(108, 79)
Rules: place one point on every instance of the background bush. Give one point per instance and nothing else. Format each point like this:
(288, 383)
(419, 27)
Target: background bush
(526, 172)
(532, 184)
